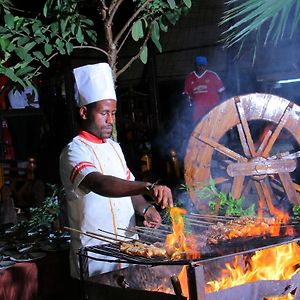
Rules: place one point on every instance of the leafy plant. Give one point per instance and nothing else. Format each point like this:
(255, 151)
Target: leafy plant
(224, 204)
(28, 43)
(45, 215)
(296, 211)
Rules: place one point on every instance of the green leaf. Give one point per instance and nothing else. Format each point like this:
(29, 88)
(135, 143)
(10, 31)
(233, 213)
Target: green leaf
(144, 55)
(26, 30)
(48, 49)
(92, 35)
(47, 5)
(24, 70)
(29, 46)
(22, 40)
(79, 36)
(188, 3)
(10, 74)
(157, 44)
(11, 47)
(45, 63)
(171, 3)
(38, 54)
(63, 24)
(4, 43)
(19, 23)
(163, 27)
(137, 30)
(88, 22)
(3, 30)
(54, 27)
(36, 28)
(171, 18)
(9, 20)
(22, 53)
(69, 47)
(73, 27)
(6, 36)
(155, 31)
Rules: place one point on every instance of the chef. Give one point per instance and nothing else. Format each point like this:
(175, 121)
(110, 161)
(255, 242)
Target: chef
(100, 190)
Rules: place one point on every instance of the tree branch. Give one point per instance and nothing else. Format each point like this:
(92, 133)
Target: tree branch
(127, 24)
(138, 54)
(124, 40)
(113, 8)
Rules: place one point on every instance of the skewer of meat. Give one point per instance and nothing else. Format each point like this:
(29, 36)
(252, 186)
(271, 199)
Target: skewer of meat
(129, 247)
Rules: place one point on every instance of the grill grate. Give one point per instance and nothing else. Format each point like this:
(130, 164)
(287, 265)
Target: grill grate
(211, 252)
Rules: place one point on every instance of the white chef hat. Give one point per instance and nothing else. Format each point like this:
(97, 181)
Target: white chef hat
(94, 83)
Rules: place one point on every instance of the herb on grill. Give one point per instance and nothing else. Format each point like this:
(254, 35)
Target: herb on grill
(223, 204)
(296, 211)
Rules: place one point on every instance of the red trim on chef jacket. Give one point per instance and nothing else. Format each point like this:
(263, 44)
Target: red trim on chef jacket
(128, 174)
(78, 168)
(90, 137)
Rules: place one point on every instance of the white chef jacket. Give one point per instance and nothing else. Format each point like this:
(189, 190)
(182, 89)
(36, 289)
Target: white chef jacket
(88, 211)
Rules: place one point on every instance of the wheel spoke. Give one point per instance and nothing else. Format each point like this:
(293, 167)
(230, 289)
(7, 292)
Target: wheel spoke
(288, 187)
(266, 194)
(243, 140)
(277, 131)
(222, 149)
(245, 130)
(264, 142)
(237, 186)
(220, 180)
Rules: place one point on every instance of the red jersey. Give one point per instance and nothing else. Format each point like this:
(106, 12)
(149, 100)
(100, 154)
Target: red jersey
(204, 91)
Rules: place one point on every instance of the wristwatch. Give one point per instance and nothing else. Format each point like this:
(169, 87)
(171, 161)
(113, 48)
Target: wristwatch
(149, 188)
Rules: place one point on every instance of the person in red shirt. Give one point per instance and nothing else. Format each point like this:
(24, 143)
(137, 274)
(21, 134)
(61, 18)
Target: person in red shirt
(203, 87)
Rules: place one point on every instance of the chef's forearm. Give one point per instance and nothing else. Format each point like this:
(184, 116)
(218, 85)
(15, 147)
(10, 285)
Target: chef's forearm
(110, 186)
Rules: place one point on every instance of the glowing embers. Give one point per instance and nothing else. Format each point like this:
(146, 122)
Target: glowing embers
(178, 244)
(277, 263)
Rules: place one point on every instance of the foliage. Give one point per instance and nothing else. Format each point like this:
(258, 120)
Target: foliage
(296, 211)
(223, 204)
(249, 16)
(29, 43)
(45, 215)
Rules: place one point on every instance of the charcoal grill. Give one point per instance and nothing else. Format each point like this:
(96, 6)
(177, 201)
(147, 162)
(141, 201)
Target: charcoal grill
(154, 270)
(144, 275)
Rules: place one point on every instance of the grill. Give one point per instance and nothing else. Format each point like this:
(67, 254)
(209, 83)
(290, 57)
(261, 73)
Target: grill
(155, 270)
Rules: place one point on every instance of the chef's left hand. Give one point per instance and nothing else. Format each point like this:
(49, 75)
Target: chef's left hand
(152, 218)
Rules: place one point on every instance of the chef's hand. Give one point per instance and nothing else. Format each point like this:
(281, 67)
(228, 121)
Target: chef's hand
(162, 196)
(152, 218)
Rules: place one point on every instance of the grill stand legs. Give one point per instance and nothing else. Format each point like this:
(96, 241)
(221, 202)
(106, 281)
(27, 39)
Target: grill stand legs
(196, 282)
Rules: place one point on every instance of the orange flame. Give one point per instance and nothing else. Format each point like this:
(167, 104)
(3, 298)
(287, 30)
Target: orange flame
(277, 263)
(177, 243)
(281, 217)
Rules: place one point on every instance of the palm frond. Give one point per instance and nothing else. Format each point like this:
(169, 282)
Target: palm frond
(251, 15)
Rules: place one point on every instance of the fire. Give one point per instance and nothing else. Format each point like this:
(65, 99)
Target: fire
(177, 243)
(277, 263)
(281, 217)
(264, 226)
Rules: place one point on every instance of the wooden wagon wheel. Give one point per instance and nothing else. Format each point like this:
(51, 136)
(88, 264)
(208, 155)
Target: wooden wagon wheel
(249, 160)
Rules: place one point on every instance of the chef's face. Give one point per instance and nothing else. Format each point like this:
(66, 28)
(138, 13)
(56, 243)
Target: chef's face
(99, 117)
